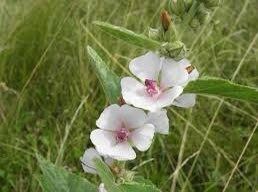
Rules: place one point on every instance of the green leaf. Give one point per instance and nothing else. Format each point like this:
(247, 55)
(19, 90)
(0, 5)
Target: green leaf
(140, 184)
(58, 179)
(139, 187)
(108, 79)
(140, 179)
(224, 88)
(129, 36)
(106, 176)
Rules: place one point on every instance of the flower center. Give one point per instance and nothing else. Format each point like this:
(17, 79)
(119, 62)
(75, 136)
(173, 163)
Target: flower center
(151, 87)
(122, 135)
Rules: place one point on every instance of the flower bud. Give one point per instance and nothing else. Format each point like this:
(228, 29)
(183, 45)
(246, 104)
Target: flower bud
(165, 20)
(181, 7)
(175, 50)
(172, 7)
(195, 24)
(154, 33)
(211, 3)
(3, 87)
(178, 7)
(202, 14)
(129, 175)
(188, 4)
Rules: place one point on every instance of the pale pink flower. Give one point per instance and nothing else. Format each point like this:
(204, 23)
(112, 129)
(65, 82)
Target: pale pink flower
(121, 129)
(161, 82)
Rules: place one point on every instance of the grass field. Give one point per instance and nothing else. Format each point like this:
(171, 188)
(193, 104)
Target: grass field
(50, 96)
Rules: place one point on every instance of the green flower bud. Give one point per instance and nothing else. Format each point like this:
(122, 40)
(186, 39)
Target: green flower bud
(195, 23)
(211, 3)
(202, 14)
(3, 87)
(188, 4)
(181, 7)
(154, 33)
(129, 175)
(173, 7)
(178, 7)
(175, 50)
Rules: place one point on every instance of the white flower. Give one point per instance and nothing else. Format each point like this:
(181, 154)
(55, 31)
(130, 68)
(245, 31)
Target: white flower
(162, 81)
(102, 188)
(87, 160)
(121, 129)
(187, 100)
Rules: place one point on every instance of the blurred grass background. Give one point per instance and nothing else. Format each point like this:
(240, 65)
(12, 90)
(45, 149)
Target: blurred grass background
(45, 75)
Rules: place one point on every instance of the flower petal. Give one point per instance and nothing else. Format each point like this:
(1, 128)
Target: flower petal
(133, 117)
(87, 160)
(172, 73)
(193, 75)
(142, 137)
(146, 66)
(102, 139)
(185, 100)
(106, 145)
(166, 99)
(122, 152)
(160, 121)
(184, 63)
(110, 118)
(134, 93)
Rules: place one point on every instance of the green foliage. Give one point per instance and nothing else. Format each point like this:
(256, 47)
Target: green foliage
(139, 187)
(129, 36)
(193, 13)
(109, 81)
(210, 3)
(175, 49)
(107, 176)
(224, 88)
(58, 179)
(108, 179)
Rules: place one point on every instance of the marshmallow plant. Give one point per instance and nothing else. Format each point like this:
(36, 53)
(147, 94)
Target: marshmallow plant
(162, 77)
(158, 83)
(120, 129)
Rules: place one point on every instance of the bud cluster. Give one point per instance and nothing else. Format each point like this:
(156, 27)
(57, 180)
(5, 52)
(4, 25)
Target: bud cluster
(210, 3)
(196, 12)
(166, 33)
